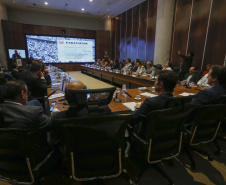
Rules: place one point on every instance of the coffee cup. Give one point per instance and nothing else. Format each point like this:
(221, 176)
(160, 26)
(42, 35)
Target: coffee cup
(137, 96)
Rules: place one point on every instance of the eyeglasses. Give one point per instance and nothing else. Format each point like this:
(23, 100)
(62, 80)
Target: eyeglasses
(28, 93)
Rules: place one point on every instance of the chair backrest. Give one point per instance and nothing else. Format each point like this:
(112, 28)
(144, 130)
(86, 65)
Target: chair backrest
(206, 123)
(95, 144)
(164, 131)
(16, 157)
(179, 101)
(221, 99)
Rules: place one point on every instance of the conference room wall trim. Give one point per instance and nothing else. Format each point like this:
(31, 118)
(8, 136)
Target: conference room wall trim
(14, 36)
(200, 27)
(138, 25)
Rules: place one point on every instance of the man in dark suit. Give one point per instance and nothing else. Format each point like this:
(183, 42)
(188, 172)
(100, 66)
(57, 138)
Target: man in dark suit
(17, 114)
(186, 64)
(216, 79)
(192, 76)
(35, 79)
(15, 71)
(164, 86)
(16, 55)
(76, 109)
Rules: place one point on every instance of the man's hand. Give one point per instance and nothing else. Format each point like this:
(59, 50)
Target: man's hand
(55, 106)
(179, 52)
(137, 106)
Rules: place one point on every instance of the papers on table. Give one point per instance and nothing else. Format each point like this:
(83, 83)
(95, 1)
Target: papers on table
(186, 94)
(56, 96)
(142, 88)
(56, 84)
(131, 105)
(148, 94)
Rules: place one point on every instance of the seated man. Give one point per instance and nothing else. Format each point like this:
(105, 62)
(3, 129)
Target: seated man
(128, 66)
(17, 114)
(192, 76)
(216, 79)
(35, 79)
(140, 68)
(164, 86)
(15, 71)
(134, 69)
(150, 68)
(76, 109)
(168, 66)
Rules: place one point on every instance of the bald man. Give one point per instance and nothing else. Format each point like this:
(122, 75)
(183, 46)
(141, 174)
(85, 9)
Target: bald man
(192, 76)
(76, 109)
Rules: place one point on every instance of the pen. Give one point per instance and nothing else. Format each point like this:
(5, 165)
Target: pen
(128, 94)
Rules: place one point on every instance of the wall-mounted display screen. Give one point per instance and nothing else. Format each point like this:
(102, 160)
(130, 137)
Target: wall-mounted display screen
(52, 49)
(20, 52)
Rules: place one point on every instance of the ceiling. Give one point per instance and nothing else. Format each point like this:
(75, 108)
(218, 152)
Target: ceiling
(97, 8)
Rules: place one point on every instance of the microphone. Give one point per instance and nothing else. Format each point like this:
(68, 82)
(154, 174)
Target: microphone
(116, 99)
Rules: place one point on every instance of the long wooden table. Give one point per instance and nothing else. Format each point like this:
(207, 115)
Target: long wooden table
(133, 92)
(142, 81)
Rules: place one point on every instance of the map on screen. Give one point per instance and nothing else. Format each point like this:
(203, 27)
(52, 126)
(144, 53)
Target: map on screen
(53, 49)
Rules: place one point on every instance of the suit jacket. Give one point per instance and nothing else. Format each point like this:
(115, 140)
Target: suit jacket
(195, 77)
(23, 116)
(15, 73)
(36, 85)
(149, 105)
(150, 70)
(209, 96)
(28, 117)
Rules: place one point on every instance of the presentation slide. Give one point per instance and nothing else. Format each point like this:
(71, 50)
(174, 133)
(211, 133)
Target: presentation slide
(61, 49)
(21, 52)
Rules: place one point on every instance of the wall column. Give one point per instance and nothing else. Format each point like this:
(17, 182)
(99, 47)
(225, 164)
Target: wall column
(3, 15)
(164, 24)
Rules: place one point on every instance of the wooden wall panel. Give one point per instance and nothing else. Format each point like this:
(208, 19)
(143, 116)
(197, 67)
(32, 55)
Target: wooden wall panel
(118, 36)
(152, 14)
(129, 34)
(122, 46)
(135, 33)
(140, 32)
(198, 29)
(216, 39)
(204, 35)
(113, 38)
(14, 36)
(181, 29)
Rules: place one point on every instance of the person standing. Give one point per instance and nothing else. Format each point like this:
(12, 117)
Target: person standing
(186, 64)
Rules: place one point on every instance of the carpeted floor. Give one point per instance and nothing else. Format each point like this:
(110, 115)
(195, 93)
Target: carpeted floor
(91, 83)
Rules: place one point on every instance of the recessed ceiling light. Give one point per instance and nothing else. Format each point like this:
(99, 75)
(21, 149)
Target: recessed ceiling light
(46, 3)
(14, 1)
(90, 0)
(107, 9)
(83, 9)
(108, 16)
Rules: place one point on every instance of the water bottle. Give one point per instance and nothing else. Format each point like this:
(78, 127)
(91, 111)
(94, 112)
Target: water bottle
(123, 90)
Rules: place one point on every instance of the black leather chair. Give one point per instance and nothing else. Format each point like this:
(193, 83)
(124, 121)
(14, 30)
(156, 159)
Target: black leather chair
(94, 146)
(222, 132)
(162, 139)
(179, 101)
(203, 129)
(18, 162)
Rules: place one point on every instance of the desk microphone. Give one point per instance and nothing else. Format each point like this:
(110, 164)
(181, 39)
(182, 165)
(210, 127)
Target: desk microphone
(116, 99)
(51, 94)
(128, 94)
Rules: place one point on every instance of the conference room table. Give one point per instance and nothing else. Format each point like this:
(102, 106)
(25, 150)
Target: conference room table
(115, 107)
(116, 76)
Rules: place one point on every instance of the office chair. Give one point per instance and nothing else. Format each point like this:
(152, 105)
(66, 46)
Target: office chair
(159, 138)
(204, 129)
(179, 101)
(222, 132)
(95, 100)
(18, 161)
(95, 146)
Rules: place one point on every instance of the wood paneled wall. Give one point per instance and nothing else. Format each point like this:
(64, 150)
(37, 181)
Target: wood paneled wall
(200, 26)
(14, 36)
(133, 32)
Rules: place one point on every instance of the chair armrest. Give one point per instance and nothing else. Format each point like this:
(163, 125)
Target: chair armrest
(139, 139)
